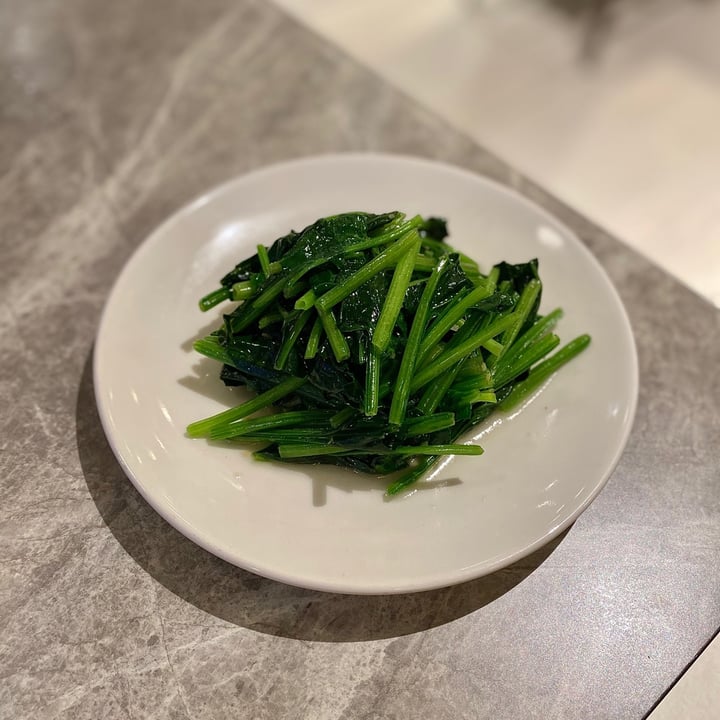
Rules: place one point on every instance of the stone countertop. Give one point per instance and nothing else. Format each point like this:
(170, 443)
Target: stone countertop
(112, 116)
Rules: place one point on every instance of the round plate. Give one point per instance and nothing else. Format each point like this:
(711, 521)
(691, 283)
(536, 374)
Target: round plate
(323, 527)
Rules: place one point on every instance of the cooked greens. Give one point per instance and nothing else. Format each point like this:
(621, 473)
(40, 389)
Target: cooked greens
(376, 344)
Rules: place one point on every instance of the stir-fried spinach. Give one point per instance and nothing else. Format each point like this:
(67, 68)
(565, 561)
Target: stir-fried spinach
(377, 344)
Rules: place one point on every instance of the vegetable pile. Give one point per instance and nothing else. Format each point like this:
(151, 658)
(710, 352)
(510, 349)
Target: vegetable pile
(376, 344)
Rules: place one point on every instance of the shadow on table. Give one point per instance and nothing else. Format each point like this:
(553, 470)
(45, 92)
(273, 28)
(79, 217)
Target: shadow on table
(251, 601)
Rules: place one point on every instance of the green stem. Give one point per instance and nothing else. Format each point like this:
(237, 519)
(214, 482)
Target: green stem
(423, 262)
(248, 315)
(453, 355)
(248, 427)
(313, 343)
(390, 236)
(469, 266)
(428, 424)
(245, 289)
(538, 330)
(449, 449)
(481, 396)
(214, 298)
(434, 393)
(298, 451)
(384, 260)
(340, 418)
(412, 475)
(295, 290)
(436, 247)
(494, 347)
(210, 347)
(372, 382)
(504, 373)
(269, 293)
(398, 407)
(264, 259)
(269, 319)
(290, 341)
(286, 387)
(451, 315)
(394, 298)
(290, 451)
(306, 301)
(543, 371)
(524, 306)
(305, 435)
(337, 341)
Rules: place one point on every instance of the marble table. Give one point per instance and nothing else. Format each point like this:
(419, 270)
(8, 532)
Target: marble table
(113, 115)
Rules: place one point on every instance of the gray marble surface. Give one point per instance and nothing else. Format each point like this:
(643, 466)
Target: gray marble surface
(112, 115)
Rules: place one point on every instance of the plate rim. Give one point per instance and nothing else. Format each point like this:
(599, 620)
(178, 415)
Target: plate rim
(448, 578)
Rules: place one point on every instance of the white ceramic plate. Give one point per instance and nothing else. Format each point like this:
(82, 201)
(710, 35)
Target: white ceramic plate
(325, 528)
